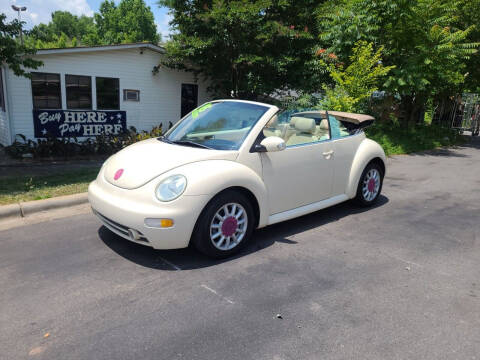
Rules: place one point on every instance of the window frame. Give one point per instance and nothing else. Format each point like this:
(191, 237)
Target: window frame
(66, 92)
(340, 122)
(118, 92)
(59, 91)
(262, 134)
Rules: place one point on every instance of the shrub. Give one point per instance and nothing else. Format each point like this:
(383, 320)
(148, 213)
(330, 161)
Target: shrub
(355, 84)
(67, 147)
(396, 139)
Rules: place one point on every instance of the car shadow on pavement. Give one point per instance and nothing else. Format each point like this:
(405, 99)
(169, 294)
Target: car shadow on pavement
(189, 258)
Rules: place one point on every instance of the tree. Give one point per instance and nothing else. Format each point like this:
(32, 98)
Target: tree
(13, 53)
(468, 15)
(429, 53)
(355, 84)
(130, 21)
(246, 48)
(63, 22)
(71, 25)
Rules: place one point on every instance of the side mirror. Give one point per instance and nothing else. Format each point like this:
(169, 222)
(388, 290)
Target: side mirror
(273, 143)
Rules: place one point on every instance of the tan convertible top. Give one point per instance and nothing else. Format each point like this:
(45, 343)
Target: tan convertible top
(342, 116)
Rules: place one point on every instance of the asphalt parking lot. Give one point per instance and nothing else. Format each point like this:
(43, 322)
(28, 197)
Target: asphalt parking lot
(398, 281)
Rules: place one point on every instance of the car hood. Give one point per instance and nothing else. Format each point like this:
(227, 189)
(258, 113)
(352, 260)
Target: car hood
(141, 162)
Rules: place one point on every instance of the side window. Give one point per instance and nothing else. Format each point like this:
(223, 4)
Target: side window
(304, 130)
(79, 91)
(108, 93)
(273, 128)
(46, 91)
(338, 130)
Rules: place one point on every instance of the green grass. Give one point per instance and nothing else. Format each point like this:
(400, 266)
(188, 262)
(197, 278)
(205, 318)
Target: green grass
(399, 140)
(26, 188)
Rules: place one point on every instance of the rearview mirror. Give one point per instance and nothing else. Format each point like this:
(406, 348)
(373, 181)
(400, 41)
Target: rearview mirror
(273, 143)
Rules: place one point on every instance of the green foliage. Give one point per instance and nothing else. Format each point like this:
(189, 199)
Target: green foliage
(246, 48)
(468, 14)
(422, 39)
(63, 30)
(396, 139)
(355, 84)
(68, 147)
(12, 52)
(300, 101)
(129, 21)
(63, 22)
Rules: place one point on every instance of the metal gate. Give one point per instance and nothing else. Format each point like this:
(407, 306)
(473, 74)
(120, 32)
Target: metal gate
(466, 116)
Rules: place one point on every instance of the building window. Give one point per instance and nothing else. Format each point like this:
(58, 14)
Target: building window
(189, 98)
(2, 98)
(79, 92)
(108, 93)
(46, 91)
(131, 95)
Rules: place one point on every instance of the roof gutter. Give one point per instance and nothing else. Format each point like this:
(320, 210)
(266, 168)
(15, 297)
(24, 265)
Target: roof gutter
(81, 49)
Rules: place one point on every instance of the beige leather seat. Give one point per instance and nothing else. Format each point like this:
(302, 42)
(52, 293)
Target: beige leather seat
(322, 130)
(290, 127)
(305, 129)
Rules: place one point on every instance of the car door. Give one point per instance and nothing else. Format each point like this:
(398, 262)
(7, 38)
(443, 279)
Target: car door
(345, 146)
(301, 174)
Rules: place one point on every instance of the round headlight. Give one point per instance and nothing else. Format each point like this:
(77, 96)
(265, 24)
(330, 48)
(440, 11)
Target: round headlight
(171, 188)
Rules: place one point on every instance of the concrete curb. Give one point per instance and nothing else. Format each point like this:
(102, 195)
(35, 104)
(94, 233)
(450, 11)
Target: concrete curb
(23, 209)
(8, 211)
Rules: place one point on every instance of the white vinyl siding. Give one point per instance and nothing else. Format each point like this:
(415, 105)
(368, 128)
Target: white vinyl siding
(160, 100)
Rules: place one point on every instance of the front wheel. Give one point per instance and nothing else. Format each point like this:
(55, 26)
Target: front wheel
(225, 225)
(370, 185)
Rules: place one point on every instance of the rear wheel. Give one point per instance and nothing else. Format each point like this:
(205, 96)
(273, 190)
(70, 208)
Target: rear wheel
(225, 225)
(370, 185)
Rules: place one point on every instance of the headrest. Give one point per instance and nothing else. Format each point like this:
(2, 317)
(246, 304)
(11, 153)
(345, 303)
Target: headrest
(293, 120)
(273, 122)
(324, 124)
(305, 125)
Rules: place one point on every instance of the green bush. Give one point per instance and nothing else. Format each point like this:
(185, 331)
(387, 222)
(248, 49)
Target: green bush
(355, 84)
(403, 140)
(68, 147)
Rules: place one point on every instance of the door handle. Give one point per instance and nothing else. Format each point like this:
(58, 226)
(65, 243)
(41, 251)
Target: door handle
(327, 154)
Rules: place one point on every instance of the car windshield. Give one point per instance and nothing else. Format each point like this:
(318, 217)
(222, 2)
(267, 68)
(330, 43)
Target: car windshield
(219, 125)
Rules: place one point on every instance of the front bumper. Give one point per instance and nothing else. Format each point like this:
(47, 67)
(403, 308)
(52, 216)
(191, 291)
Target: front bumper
(123, 210)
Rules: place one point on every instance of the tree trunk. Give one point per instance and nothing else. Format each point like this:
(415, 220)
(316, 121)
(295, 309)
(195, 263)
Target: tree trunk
(413, 111)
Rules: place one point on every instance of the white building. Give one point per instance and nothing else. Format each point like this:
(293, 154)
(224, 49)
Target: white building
(85, 91)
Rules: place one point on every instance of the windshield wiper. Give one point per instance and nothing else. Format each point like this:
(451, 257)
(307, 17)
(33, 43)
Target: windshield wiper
(190, 143)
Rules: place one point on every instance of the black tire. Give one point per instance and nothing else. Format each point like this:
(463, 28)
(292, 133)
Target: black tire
(360, 198)
(201, 237)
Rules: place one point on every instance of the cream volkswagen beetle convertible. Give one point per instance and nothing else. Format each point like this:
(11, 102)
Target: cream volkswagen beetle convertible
(230, 167)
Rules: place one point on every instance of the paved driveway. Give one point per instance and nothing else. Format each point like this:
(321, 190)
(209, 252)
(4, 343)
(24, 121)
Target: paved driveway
(399, 281)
